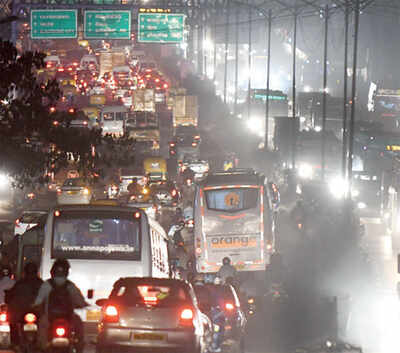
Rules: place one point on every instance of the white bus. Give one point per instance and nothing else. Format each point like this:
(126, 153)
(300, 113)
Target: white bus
(102, 244)
(233, 218)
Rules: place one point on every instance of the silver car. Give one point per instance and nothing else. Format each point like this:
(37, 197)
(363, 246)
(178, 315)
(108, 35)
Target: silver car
(74, 191)
(152, 314)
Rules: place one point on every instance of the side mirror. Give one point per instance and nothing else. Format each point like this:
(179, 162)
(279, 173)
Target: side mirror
(101, 302)
(90, 293)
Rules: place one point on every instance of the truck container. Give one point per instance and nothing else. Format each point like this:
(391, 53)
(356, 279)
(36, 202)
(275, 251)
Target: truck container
(185, 110)
(106, 62)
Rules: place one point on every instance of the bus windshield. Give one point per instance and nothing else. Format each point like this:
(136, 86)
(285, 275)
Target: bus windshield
(232, 199)
(96, 235)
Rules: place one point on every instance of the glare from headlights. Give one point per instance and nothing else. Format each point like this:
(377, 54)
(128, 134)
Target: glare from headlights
(338, 187)
(361, 205)
(318, 128)
(86, 191)
(4, 181)
(254, 125)
(305, 171)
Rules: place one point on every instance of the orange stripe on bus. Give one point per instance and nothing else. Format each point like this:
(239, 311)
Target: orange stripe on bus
(232, 217)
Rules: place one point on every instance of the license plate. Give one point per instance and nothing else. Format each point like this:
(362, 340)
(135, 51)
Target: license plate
(72, 192)
(93, 315)
(5, 328)
(30, 327)
(148, 336)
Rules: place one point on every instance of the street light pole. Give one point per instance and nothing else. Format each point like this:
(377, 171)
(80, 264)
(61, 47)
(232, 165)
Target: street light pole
(236, 59)
(294, 133)
(249, 59)
(268, 79)
(353, 97)
(325, 87)
(226, 52)
(344, 133)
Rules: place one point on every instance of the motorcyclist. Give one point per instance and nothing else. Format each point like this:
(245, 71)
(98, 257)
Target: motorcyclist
(21, 297)
(226, 270)
(6, 282)
(59, 273)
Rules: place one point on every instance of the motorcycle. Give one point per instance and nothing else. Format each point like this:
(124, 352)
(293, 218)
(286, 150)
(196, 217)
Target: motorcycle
(143, 195)
(5, 339)
(112, 191)
(251, 306)
(28, 333)
(62, 336)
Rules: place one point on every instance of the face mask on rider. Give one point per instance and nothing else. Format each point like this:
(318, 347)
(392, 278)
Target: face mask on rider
(59, 280)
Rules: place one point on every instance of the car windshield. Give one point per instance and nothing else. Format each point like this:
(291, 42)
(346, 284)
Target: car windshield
(231, 199)
(149, 293)
(97, 235)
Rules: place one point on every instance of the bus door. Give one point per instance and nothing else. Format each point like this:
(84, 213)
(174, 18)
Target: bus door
(232, 225)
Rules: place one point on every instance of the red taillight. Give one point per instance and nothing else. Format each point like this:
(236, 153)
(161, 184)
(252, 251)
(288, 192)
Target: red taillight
(174, 192)
(111, 314)
(194, 144)
(30, 318)
(3, 317)
(60, 331)
(165, 85)
(186, 318)
(229, 306)
(17, 221)
(59, 191)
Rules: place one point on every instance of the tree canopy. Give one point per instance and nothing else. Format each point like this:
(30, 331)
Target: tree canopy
(31, 143)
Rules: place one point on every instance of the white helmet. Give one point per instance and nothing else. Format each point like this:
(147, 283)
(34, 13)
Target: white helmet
(217, 280)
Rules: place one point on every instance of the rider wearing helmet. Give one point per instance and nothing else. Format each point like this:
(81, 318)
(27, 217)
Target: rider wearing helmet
(21, 297)
(226, 270)
(59, 273)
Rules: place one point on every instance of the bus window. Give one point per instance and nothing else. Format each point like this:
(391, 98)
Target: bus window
(89, 235)
(232, 199)
(119, 116)
(108, 116)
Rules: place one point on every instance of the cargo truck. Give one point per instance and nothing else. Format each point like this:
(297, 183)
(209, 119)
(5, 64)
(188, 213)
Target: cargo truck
(185, 110)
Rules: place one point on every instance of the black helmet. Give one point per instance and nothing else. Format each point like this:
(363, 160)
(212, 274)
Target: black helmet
(60, 268)
(226, 261)
(6, 271)
(30, 269)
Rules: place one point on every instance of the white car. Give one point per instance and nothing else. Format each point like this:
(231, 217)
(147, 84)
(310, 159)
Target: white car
(28, 220)
(74, 191)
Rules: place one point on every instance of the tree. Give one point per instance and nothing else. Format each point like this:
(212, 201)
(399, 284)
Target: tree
(30, 142)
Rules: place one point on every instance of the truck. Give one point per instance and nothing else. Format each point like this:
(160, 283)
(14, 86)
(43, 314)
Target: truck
(185, 110)
(106, 62)
(143, 121)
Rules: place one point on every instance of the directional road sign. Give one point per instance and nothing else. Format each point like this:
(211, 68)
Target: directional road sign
(52, 24)
(107, 25)
(161, 28)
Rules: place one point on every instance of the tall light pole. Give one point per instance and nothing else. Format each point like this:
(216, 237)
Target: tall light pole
(226, 53)
(324, 94)
(294, 132)
(268, 78)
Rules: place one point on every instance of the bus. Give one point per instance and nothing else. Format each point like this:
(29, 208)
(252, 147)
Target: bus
(103, 243)
(233, 217)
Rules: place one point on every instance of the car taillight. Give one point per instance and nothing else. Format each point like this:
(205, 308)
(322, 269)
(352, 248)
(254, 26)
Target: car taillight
(186, 318)
(17, 222)
(60, 331)
(111, 314)
(59, 191)
(3, 317)
(229, 306)
(174, 193)
(194, 144)
(30, 318)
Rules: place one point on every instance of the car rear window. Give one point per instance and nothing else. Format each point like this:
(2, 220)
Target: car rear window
(74, 182)
(32, 217)
(147, 293)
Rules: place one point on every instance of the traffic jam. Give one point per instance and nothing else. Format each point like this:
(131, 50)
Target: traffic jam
(150, 202)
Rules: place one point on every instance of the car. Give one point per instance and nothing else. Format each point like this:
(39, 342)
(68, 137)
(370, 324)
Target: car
(28, 220)
(165, 193)
(226, 297)
(154, 314)
(74, 191)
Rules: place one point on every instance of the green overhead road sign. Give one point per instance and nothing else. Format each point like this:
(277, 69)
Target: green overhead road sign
(107, 25)
(52, 24)
(161, 28)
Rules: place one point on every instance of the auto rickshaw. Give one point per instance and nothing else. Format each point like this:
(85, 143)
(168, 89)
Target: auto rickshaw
(93, 113)
(156, 168)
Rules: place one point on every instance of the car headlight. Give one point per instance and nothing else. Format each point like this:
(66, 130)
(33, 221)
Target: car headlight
(305, 171)
(86, 191)
(361, 205)
(338, 187)
(4, 181)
